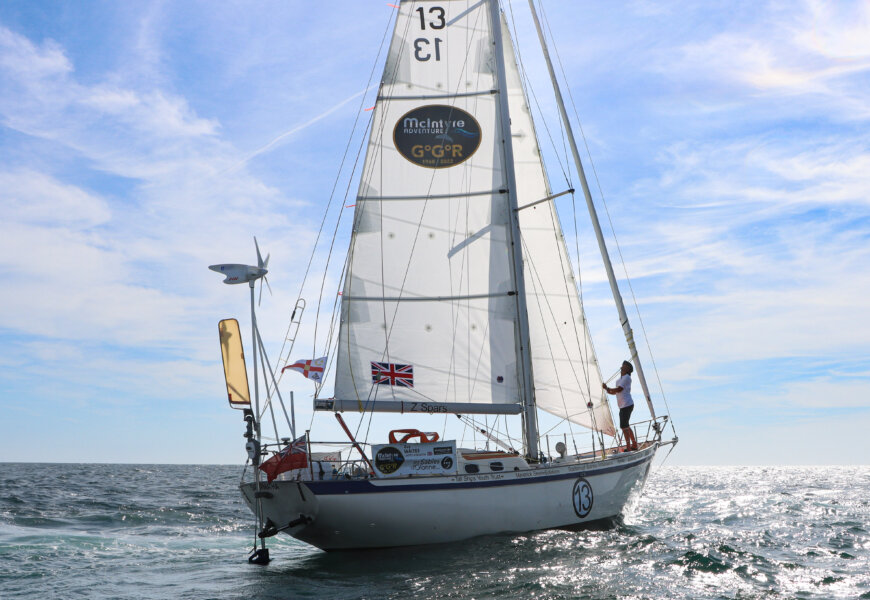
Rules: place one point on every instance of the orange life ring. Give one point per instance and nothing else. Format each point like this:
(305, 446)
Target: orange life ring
(412, 433)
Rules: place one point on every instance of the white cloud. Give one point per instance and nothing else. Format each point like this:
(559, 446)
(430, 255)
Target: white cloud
(816, 51)
(133, 274)
(755, 252)
(35, 198)
(149, 114)
(20, 56)
(121, 129)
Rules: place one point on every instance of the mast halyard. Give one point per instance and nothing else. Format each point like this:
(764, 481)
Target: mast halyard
(611, 277)
(530, 417)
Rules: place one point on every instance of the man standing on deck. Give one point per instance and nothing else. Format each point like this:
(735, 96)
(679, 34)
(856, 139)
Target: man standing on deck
(625, 403)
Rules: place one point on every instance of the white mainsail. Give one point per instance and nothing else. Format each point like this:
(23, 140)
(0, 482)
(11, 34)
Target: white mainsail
(428, 306)
(567, 375)
(429, 281)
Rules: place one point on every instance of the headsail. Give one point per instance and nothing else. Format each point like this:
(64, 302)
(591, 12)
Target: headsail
(567, 376)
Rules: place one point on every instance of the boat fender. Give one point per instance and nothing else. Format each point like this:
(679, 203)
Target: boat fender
(253, 448)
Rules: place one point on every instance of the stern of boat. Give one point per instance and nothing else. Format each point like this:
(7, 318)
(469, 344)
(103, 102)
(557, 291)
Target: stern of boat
(286, 506)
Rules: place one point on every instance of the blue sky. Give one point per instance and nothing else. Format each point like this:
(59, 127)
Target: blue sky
(142, 141)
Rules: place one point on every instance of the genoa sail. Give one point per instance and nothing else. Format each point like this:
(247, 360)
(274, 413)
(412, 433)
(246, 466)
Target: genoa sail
(567, 375)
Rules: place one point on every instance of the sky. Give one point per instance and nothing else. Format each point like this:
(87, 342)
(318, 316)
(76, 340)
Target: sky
(141, 142)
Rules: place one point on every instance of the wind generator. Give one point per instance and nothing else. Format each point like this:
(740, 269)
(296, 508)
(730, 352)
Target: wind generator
(237, 381)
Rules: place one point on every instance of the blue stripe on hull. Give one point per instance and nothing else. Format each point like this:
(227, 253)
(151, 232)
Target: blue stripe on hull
(365, 486)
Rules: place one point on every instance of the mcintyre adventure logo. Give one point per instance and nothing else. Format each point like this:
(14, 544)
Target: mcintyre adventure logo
(437, 136)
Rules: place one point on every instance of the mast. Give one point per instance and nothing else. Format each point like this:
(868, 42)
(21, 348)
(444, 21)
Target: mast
(263, 554)
(530, 417)
(254, 348)
(614, 287)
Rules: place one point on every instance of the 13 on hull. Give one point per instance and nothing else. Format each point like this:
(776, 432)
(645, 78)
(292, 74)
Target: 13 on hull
(378, 513)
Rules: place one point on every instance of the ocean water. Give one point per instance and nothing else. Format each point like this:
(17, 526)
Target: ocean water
(181, 531)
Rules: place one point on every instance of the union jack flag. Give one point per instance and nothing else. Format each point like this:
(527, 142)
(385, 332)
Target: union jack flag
(393, 374)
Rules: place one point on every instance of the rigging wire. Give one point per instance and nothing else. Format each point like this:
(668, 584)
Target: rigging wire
(374, 389)
(360, 110)
(502, 436)
(609, 219)
(409, 263)
(530, 91)
(359, 113)
(335, 312)
(347, 264)
(357, 217)
(587, 341)
(567, 175)
(536, 281)
(332, 336)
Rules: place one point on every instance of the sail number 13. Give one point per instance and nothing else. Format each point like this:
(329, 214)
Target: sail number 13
(424, 48)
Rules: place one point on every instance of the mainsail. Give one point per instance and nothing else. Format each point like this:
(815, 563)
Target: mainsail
(429, 281)
(429, 313)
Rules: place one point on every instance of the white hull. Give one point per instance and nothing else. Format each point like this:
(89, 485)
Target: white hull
(376, 513)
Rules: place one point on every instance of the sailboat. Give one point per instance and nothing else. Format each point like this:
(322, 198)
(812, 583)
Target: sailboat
(458, 298)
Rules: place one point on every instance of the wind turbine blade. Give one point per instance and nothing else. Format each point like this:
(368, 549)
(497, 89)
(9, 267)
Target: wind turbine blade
(261, 293)
(267, 284)
(266, 264)
(259, 256)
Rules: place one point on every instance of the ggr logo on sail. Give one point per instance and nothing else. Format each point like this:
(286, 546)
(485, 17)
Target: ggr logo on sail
(437, 151)
(437, 136)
